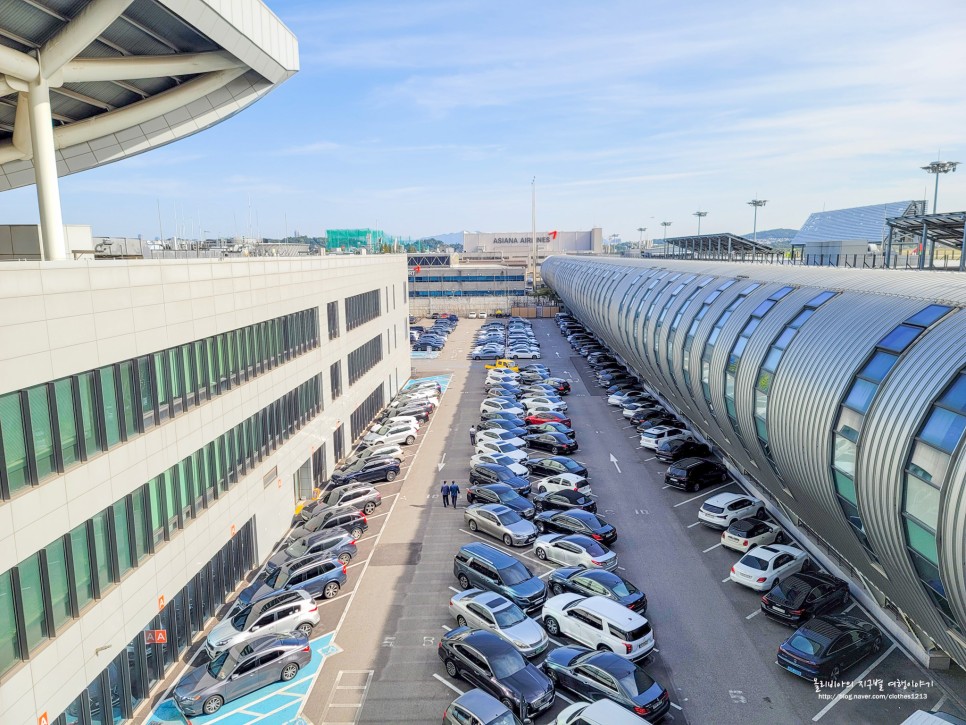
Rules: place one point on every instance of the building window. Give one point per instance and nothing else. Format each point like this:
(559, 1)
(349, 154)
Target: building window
(364, 358)
(363, 415)
(693, 328)
(338, 442)
(713, 339)
(41, 433)
(61, 610)
(846, 438)
(361, 308)
(35, 627)
(335, 379)
(80, 561)
(677, 321)
(16, 475)
(10, 652)
(66, 422)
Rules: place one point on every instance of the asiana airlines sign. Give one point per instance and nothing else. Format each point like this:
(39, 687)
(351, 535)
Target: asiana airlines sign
(520, 240)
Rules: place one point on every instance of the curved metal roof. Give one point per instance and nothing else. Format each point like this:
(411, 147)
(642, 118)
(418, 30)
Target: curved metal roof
(126, 76)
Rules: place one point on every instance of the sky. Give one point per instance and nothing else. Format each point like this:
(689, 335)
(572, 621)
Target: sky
(422, 118)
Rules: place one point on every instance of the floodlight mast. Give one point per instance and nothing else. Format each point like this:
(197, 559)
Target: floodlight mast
(937, 168)
(757, 203)
(700, 215)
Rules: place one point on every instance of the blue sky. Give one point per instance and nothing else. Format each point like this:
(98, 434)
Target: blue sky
(431, 117)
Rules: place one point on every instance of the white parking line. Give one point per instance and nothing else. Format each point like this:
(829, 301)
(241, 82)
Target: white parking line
(938, 705)
(334, 599)
(667, 486)
(691, 526)
(711, 548)
(454, 589)
(650, 459)
(702, 495)
(451, 686)
(845, 611)
(676, 706)
(726, 579)
(448, 629)
(754, 614)
(840, 696)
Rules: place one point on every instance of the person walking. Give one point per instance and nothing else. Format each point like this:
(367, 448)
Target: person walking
(454, 492)
(444, 489)
(472, 435)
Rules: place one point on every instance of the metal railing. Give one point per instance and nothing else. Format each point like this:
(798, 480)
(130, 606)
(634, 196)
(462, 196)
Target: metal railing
(949, 261)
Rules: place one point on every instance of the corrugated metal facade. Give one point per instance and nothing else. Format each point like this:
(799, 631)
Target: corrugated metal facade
(623, 300)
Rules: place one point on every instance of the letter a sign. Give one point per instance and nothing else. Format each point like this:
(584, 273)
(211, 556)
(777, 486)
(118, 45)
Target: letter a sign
(43, 719)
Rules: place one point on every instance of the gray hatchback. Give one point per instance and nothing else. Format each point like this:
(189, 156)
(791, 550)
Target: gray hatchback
(240, 670)
(500, 521)
(477, 706)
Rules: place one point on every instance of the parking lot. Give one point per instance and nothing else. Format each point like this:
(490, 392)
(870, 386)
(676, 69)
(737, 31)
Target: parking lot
(714, 654)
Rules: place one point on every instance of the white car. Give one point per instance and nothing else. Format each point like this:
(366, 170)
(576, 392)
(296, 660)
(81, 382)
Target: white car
(525, 354)
(400, 420)
(723, 509)
(492, 406)
(654, 437)
(634, 396)
(500, 378)
(574, 550)
(500, 436)
(629, 408)
(601, 712)
(499, 459)
(499, 447)
(542, 401)
(472, 315)
(598, 622)
(563, 482)
(417, 393)
(764, 566)
(402, 434)
(745, 534)
(495, 613)
(378, 451)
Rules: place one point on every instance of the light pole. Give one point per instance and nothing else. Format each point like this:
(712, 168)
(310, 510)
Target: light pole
(937, 168)
(757, 203)
(700, 215)
(640, 243)
(665, 225)
(533, 227)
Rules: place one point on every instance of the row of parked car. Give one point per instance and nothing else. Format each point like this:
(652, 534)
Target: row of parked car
(795, 593)
(263, 638)
(432, 338)
(527, 491)
(513, 338)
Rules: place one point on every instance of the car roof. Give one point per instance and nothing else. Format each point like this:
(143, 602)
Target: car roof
(689, 462)
(487, 643)
(568, 494)
(491, 600)
(614, 611)
(725, 498)
(496, 508)
(483, 705)
(579, 540)
(600, 575)
(480, 550)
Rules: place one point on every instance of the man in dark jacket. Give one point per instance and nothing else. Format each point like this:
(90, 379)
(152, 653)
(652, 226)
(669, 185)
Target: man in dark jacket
(444, 489)
(454, 492)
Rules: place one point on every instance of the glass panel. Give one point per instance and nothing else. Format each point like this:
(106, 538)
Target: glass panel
(38, 403)
(141, 532)
(99, 708)
(170, 498)
(929, 573)
(900, 338)
(879, 366)
(955, 397)
(162, 386)
(102, 553)
(861, 394)
(763, 308)
(785, 338)
(944, 429)
(131, 413)
(146, 390)
(929, 315)
(123, 536)
(32, 598)
(845, 485)
(14, 443)
(85, 390)
(109, 400)
(922, 501)
(771, 362)
(69, 445)
(177, 379)
(156, 520)
(184, 481)
(59, 588)
(801, 318)
(761, 404)
(81, 562)
(922, 541)
(9, 642)
(843, 455)
(188, 369)
(820, 299)
(201, 378)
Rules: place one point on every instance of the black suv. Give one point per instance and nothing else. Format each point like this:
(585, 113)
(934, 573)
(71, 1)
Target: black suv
(554, 465)
(576, 522)
(503, 494)
(826, 646)
(670, 451)
(482, 474)
(802, 596)
(483, 566)
(693, 474)
(564, 501)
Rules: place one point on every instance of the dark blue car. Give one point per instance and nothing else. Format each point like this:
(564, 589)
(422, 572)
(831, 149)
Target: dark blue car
(367, 471)
(576, 521)
(486, 473)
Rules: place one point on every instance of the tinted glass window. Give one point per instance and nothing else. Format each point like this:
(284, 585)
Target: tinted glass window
(900, 338)
(34, 611)
(9, 643)
(928, 316)
(14, 444)
(804, 644)
(40, 430)
(57, 576)
(515, 574)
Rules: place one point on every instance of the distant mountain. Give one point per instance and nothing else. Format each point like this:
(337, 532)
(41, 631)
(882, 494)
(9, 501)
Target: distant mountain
(773, 236)
(449, 239)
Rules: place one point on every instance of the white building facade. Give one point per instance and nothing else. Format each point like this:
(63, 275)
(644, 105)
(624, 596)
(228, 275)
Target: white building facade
(158, 422)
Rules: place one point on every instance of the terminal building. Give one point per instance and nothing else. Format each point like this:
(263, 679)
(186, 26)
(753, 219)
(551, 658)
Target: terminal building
(516, 248)
(839, 395)
(159, 418)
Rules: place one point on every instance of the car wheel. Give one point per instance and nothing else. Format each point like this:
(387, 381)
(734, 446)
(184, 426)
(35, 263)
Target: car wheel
(541, 554)
(370, 507)
(552, 675)
(289, 671)
(876, 645)
(507, 540)
(555, 588)
(760, 513)
(390, 475)
(305, 628)
(541, 527)
(213, 704)
(693, 486)
(603, 648)
(555, 450)
(345, 557)
(476, 357)
(507, 703)
(464, 581)
(780, 538)
(550, 624)
(451, 669)
(330, 590)
(542, 489)
(356, 533)
(836, 671)
(473, 525)
(461, 621)
(410, 440)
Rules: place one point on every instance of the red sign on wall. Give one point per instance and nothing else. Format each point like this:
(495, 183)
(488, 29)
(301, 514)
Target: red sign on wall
(155, 636)
(42, 719)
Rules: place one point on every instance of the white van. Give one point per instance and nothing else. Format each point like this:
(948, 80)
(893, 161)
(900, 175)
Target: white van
(598, 621)
(602, 712)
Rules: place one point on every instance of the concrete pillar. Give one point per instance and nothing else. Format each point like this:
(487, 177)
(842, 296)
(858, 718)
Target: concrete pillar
(45, 170)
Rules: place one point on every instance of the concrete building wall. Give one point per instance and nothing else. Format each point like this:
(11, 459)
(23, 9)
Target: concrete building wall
(59, 319)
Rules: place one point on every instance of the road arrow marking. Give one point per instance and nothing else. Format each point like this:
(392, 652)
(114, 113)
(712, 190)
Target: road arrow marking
(614, 461)
(442, 462)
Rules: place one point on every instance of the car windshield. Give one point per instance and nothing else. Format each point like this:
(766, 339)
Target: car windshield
(222, 666)
(635, 681)
(753, 562)
(515, 574)
(592, 547)
(503, 460)
(277, 578)
(509, 616)
(676, 471)
(804, 644)
(508, 496)
(623, 589)
(590, 520)
(238, 620)
(507, 663)
(509, 518)
(297, 549)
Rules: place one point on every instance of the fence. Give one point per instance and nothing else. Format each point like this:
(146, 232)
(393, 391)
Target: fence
(949, 261)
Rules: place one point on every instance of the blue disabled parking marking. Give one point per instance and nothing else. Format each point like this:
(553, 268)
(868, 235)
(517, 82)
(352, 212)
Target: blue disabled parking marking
(275, 705)
(443, 381)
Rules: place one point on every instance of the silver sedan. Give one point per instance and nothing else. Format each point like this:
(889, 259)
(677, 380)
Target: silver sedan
(500, 521)
(574, 550)
(495, 613)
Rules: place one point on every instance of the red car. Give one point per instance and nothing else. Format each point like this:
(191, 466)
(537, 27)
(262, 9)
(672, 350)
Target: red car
(548, 417)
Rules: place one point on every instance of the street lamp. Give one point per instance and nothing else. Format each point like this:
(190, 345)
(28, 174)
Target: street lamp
(757, 203)
(700, 215)
(640, 243)
(937, 168)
